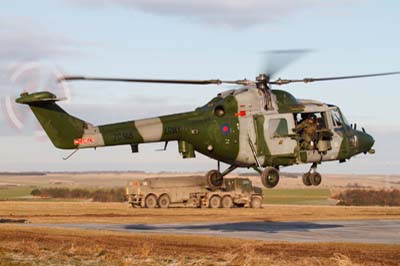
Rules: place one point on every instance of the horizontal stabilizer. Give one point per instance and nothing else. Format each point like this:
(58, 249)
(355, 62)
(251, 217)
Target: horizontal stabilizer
(37, 98)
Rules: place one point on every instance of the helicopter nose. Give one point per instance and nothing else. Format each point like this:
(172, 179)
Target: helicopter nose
(365, 142)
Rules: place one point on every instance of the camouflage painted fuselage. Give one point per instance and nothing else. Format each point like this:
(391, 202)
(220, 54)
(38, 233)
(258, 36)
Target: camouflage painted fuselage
(235, 127)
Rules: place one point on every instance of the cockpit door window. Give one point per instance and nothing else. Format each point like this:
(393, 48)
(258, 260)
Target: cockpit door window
(339, 121)
(336, 119)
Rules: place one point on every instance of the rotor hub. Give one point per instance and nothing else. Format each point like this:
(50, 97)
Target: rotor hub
(262, 81)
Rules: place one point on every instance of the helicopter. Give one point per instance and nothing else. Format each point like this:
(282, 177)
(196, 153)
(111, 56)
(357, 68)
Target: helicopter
(253, 126)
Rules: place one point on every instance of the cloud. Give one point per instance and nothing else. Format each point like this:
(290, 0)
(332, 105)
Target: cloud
(24, 44)
(24, 40)
(25, 47)
(231, 13)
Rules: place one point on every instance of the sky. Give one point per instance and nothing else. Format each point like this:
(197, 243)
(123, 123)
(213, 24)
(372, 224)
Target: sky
(191, 40)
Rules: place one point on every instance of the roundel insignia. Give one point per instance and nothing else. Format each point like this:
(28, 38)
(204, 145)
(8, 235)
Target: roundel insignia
(225, 129)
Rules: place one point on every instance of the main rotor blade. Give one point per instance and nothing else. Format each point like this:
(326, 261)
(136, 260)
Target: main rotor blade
(277, 60)
(167, 81)
(308, 80)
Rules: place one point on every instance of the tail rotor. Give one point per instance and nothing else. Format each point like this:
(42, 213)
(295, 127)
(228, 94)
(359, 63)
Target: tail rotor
(29, 77)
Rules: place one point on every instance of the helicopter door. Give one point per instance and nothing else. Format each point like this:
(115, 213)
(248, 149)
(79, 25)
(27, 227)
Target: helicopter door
(260, 144)
(279, 134)
(326, 142)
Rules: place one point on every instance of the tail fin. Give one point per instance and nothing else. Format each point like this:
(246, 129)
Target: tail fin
(61, 127)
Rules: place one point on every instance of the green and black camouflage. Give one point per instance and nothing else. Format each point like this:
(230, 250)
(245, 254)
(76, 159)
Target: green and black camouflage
(243, 128)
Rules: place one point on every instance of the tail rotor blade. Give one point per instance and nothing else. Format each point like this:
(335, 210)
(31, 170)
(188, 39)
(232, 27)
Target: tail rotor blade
(29, 76)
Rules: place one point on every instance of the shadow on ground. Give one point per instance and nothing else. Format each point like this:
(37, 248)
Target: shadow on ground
(266, 227)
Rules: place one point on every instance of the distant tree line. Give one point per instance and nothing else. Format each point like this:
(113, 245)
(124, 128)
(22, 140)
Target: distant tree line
(101, 195)
(22, 173)
(368, 197)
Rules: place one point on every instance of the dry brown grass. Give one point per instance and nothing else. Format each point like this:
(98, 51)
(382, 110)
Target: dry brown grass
(94, 212)
(41, 246)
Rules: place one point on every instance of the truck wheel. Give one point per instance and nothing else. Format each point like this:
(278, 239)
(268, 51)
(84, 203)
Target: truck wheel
(315, 179)
(270, 177)
(227, 202)
(214, 179)
(151, 201)
(255, 203)
(306, 179)
(164, 201)
(215, 202)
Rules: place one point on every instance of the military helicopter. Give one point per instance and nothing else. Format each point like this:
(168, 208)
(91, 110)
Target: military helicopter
(253, 126)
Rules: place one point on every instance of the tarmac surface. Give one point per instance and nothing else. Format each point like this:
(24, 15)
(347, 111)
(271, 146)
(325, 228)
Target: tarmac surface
(360, 231)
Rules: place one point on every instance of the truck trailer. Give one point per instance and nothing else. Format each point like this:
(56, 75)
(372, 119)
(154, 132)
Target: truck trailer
(192, 191)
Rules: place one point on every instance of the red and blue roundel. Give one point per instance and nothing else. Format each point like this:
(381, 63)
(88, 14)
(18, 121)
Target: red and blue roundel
(225, 129)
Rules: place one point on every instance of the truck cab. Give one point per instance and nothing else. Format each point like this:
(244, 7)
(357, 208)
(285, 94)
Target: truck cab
(241, 185)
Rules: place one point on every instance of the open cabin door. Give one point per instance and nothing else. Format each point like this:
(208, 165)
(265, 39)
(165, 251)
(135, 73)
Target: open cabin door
(278, 129)
(274, 139)
(325, 144)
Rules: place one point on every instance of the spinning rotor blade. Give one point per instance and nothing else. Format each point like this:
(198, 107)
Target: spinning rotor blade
(31, 77)
(277, 60)
(167, 81)
(308, 80)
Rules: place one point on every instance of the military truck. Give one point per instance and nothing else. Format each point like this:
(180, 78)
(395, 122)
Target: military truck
(192, 192)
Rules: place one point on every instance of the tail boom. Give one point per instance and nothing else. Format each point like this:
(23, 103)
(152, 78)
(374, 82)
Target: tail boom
(68, 132)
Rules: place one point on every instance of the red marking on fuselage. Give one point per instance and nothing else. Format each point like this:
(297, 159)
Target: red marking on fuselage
(83, 141)
(241, 113)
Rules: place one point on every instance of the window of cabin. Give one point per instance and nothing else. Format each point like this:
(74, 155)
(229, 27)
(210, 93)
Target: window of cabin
(321, 118)
(278, 127)
(246, 186)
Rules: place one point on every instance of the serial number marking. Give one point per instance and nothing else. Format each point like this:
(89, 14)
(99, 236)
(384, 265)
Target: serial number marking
(122, 136)
(171, 130)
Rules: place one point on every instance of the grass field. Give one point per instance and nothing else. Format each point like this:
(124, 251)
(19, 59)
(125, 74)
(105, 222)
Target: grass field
(25, 246)
(24, 194)
(306, 196)
(120, 179)
(12, 193)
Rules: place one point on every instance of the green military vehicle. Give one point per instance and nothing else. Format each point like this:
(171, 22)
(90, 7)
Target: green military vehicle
(192, 192)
